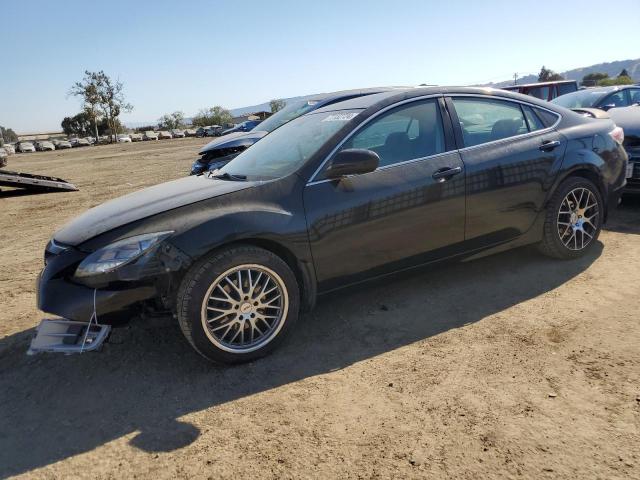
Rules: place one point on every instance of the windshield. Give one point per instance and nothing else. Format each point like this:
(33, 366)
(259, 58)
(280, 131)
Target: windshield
(580, 99)
(286, 149)
(288, 113)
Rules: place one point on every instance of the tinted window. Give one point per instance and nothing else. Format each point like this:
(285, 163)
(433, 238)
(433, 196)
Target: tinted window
(533, 121)
(634, 93)
(564, 88)
(404, 133)
(617, 99)
(549, 119)
(488, 120)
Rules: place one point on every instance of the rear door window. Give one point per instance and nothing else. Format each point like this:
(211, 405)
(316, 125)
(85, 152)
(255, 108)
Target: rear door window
(488, 120)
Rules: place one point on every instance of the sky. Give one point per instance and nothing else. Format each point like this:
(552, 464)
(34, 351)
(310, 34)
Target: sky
(185, 56)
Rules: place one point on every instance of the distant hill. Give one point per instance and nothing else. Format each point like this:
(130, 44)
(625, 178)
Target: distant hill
(610, 68)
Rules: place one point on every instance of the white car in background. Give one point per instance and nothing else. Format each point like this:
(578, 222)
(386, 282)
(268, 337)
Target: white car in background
(124, 139)
(136, 137)
(23, 147)
(9, 148)
(177, 133)
(164, 135)
(150, 135)
(45, 145)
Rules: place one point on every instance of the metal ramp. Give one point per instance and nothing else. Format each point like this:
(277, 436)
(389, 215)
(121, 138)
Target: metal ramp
(36, 183)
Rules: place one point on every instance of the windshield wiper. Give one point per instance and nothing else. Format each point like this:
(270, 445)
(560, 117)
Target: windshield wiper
(228, 176)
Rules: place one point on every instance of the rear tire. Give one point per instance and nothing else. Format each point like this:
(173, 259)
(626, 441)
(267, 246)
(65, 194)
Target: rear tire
(573, 220)
(238, 304)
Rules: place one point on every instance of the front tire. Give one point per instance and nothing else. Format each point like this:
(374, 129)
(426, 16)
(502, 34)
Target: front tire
(238, 304)
(573, 219)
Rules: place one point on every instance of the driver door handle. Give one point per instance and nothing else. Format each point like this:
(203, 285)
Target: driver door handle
(446, 173)
(549, 145)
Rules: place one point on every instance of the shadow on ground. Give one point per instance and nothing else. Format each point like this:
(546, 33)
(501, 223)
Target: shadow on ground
(54, 407)
(626, 217)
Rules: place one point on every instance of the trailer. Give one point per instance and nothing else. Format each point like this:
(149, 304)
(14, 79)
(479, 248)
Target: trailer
(35, 183)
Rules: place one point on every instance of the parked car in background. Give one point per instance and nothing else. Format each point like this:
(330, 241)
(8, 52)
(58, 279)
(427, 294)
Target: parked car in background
(3, 157)
(63, 144)
(136, 137)
(604, 98)
(91, 140)
(124, 138)
(629, 119)
(545, 90)
(190, 132)
(44, 145)
(343, 194)
(201, 132)
(81, 142)
(164, 135)
(150, 135)
(9, 148)
(213, 131)
(222, 150)
(246, 126)
(24, 147)
(177, 133)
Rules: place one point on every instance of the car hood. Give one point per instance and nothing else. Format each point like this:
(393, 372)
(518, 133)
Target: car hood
(232, 140)
(142, 204)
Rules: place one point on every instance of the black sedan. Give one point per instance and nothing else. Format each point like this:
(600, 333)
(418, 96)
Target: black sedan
(221, 151)
(349, 192)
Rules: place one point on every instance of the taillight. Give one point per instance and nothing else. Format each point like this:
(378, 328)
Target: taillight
(617, 134)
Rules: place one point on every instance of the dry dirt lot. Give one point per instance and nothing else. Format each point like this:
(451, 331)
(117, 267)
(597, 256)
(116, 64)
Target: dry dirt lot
(513, 366)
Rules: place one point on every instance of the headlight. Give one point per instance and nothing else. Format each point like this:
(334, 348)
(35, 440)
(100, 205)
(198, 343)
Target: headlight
(119, 253)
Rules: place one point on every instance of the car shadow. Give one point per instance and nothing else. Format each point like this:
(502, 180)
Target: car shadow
(625, 218)
(147, 377)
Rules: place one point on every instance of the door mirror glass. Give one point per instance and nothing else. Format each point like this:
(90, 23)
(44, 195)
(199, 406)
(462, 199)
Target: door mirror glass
(352, 161)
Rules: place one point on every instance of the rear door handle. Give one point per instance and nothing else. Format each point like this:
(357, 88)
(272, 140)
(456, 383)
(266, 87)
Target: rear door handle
(445, 173)
(549, 145)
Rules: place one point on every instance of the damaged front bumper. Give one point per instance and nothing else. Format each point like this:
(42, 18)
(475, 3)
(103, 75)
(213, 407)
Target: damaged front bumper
(66, 336)
(110, 297)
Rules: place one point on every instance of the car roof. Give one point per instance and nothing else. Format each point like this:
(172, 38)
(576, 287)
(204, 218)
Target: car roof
(398, 94)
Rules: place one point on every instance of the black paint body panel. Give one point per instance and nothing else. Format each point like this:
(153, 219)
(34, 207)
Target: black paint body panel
(338, 232)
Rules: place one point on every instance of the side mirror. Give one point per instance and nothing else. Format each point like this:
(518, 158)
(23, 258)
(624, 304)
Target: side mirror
(608, 106)
(353, 161)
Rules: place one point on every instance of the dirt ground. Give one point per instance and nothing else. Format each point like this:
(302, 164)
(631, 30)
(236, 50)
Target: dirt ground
(513, 366)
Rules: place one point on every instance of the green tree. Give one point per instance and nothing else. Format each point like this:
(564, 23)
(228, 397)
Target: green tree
(277, 104)
(547, 75)
(607, 82)
(80, 124)
(592, 79)
(170, 121)
(212, 116)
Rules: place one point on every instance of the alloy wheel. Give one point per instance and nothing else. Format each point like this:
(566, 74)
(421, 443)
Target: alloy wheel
(578, 218)
(244, 308)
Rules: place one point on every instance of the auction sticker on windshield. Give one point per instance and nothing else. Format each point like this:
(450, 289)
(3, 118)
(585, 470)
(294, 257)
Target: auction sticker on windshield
(340, 117)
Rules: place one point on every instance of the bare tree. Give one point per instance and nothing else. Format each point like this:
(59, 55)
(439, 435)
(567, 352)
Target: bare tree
(112, 101)
(88, 90)
(102, 95)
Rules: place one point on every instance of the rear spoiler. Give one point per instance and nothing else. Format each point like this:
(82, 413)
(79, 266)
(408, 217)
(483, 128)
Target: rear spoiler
(591, 112)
